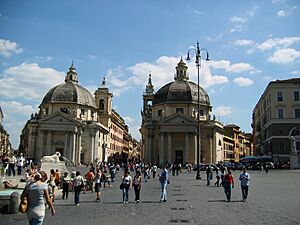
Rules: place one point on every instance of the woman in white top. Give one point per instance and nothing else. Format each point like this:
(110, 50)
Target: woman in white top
(126, 183)
(78, 183)
(137, 180)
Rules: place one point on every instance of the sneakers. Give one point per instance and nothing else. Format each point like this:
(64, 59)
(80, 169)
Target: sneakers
(77, 204)
(97, 200)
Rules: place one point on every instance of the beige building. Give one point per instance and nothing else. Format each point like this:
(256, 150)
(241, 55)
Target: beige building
(274, 116)
(67, 122)
(5, 146)
(169, 123)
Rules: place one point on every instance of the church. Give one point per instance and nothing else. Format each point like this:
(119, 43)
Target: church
(81, 126)
(169, 123)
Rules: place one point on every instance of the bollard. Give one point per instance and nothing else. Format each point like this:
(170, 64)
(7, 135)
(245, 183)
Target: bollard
(14, 203)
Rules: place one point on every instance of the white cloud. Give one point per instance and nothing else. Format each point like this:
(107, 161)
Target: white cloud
(92, 57)
(283, 13)
(242, 81)
(244, 42)
(237, 19)
(278, 1)
(295, 72)
(277, 42)
(222, 111)
(7, 48)
(284, 56)
(199, 12)
(43, 59)
(133, 126)
(234, 68)
(28, 81)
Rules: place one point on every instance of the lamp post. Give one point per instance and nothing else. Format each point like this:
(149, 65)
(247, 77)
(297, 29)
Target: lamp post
(198, 51)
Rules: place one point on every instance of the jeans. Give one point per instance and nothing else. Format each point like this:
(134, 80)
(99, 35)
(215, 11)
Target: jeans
(19, 170)
(77, 190)
(65, 192)
(36, 221)
(164, 190)
(137, 191)
(228, 189)
(125, 194)
(244, 192)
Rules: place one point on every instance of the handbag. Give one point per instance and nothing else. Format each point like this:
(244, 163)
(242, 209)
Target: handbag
(23, 207)
(122, 185)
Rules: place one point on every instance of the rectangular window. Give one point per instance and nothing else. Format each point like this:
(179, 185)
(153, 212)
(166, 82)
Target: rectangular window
(298, 146)
(296, 96)
(64, 110)
(82, 111)
(101, 104)
(159, 113)
(280, 113)
(179, 110)
(279, 96)
(47, 111)
(201, 112)
(297, 113)
(281, 146)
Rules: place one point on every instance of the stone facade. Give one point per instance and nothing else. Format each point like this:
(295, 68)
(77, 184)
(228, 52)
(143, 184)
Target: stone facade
(5, 146)
(169, 123)
(274, 116)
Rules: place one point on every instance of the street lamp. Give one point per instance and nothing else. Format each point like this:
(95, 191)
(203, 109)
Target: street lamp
(198, 64)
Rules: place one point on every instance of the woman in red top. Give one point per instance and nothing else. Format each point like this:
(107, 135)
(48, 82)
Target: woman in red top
(229, 184)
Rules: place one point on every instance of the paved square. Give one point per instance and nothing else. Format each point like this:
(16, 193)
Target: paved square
(273, 199)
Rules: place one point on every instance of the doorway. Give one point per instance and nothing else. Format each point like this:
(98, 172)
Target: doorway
(179, 156)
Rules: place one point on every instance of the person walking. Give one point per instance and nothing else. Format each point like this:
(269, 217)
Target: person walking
(89, 176)
(65, 180)
(208, 175)
(245, 181)
(20, 163)
(164, 180)
(126, 183)
(78, 184)
(137, 181)
(228, 185)
(12, 163)
(35, 193)
(217, 183)
(154, 169)
(98, 178)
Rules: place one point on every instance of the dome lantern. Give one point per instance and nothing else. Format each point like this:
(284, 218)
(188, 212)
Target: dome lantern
(181, 71)
(72, 74)
(149, 86)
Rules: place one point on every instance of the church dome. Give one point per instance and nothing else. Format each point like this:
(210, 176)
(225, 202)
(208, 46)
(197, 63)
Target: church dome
(70, 92)
(181, 90)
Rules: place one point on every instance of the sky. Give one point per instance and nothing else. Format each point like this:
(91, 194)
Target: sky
(250, 43)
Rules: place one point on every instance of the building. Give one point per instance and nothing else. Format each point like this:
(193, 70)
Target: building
(169, 123)
(237, 144)
(5, 146)
(69, 121)
(275, 115)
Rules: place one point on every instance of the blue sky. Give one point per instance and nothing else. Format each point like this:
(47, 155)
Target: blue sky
(250, 44)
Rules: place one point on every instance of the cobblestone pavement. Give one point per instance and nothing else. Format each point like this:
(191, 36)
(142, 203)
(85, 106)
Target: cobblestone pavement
(273, 199)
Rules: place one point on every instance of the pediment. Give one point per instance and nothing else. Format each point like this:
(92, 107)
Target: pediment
(58, 117)
(178, 118)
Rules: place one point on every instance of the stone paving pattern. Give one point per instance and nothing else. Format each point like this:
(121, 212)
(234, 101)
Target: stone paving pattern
(273, 199)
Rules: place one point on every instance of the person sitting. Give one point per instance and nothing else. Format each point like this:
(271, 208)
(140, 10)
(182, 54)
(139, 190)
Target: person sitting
(9, 185)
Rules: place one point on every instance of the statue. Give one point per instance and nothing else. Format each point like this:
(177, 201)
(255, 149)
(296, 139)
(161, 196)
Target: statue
(294, 147)
(52, 158)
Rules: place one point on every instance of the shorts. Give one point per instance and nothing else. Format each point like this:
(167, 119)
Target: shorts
(97, 187)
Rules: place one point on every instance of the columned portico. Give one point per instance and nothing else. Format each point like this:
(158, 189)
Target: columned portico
(187, 147)
(161, 149)
(169, 157)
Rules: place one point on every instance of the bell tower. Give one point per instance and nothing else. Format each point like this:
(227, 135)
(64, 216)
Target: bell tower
(148, 97)
(103, 99)
(72, 74)
(181, 71)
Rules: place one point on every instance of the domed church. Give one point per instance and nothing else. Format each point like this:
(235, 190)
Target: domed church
(67, 122)
(169, 123)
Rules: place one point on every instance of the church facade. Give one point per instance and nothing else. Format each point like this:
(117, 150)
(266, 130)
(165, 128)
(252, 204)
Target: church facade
(169, 123)
(82, 127)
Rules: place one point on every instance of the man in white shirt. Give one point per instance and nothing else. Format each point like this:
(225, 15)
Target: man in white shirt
(245, 181)
(12, 163)
(20, 163)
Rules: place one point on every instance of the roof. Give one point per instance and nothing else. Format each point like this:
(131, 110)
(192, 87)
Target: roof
(181, 91)
(69, 92)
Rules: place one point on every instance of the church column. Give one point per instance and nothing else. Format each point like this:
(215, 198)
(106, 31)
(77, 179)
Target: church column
(161, 149)
(96, 152)
(150, 138)
(73, 148)
(66, 145)
(187, 146)
(79, 147)
(195, 148)
(169, 158)
(49, 135)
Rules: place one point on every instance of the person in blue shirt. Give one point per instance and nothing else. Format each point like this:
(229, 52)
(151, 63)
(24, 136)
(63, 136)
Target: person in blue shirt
(245, 181)
(164, 180)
